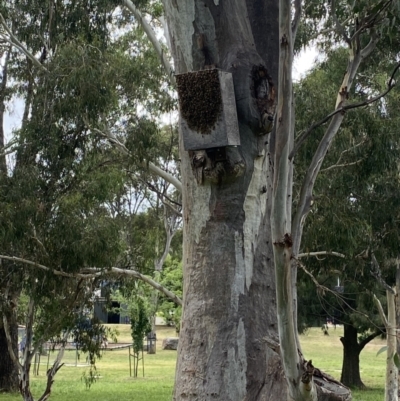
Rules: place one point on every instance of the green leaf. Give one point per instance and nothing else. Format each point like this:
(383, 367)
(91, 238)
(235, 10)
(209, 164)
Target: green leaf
(396, 360)
(383, 349)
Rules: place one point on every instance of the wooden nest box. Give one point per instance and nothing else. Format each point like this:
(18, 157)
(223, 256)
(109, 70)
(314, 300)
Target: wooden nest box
(208, 109)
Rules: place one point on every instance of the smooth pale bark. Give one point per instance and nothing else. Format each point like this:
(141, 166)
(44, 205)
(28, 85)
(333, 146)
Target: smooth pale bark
(398, 311)
(229, 291)
(391, 382)
(391, 387)
(300, 384)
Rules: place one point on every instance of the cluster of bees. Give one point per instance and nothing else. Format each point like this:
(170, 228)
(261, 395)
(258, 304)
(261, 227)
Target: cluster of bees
(200, 99)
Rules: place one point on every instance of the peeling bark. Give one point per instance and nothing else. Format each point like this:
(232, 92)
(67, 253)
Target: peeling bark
(391, 382)
(229, 291)
(229, 281)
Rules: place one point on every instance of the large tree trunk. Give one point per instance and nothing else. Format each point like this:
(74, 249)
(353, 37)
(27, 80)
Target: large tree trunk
(398, 314)
(229, 286)
(351, 358)
(8, 370)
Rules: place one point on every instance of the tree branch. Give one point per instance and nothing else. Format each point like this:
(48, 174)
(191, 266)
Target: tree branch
(369, 338)
(57, 365)
(170, 230)
(124, 150)
(9, 343)
(16, 43)
(376, 272)
(380, 310)
(326, 289)
(48, 269)
(341, 165)
(343, 109)
(370, 46)
(153, 39)
(296, 18)
(134, 273)
(302, 255)
(93, 272)
(338, 26)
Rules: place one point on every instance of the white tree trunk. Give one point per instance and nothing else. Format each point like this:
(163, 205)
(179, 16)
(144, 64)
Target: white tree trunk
(391, 383)
(391, 388)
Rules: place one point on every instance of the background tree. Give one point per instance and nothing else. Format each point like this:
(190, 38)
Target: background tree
(354, 201)
(67, 169)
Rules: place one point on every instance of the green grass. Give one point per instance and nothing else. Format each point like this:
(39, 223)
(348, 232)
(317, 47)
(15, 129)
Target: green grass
(115, 383)
(326, 353)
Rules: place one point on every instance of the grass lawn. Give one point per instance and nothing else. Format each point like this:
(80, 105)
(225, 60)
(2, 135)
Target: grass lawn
(115, 383)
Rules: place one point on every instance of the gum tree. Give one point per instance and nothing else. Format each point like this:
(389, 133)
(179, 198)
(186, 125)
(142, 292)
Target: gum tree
(238, 337)
(240, 242)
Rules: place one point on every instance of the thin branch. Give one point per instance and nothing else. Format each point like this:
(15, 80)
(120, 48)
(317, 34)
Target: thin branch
(380, 310)
(340, 165)
(369, 338)
(343, 109)
(370, 46)
(326, 289)
(57, 365)
(153, 39)
(163, 174)
(349, 150)
(162, 195)
(133, 273)
(92, 272)
(376, 272)
(302, 255)
(16, 43)
(170, 231)
(151, 166)
(296, 18)
(45, 268)
(370, 21)
(339, 27)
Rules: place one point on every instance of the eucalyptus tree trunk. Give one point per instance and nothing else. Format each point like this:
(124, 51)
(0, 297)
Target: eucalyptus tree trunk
(228, 348)
(8, 370)
(229, 306)
(391, 382)
(397, 308)
(392, 386)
